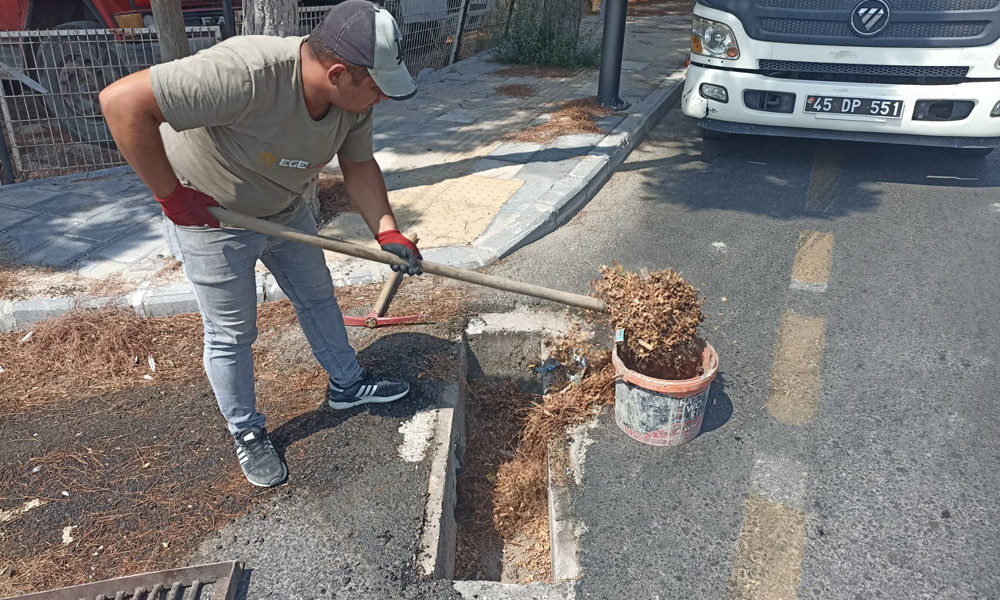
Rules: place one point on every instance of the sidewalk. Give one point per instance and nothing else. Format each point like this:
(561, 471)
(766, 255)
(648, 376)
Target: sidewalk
(456, 178)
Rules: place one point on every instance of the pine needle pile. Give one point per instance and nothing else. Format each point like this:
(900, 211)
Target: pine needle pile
(572, 116)
(660, 314)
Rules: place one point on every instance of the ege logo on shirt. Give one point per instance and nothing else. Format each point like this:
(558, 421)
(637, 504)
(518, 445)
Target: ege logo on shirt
(269, 160)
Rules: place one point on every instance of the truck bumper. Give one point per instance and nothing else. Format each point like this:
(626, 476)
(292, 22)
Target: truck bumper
(977, 130)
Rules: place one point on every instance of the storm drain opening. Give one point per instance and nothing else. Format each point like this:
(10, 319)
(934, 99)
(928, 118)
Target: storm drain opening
(216, 581)
(528, 386)
(502, 385)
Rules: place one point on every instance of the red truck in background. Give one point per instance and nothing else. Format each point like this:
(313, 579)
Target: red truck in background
(71, 14)
(69, 70)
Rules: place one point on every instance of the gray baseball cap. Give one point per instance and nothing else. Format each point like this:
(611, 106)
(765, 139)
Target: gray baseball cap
(368, 36)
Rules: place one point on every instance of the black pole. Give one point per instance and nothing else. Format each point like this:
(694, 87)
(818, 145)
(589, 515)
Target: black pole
(7, 164)
(611, 55)
(229, 19)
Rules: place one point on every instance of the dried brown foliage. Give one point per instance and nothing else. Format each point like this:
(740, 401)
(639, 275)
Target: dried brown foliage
(520, 494)
(660, 314)
(148, 468)
(573, 116)
(8, 279)
(129, 511)
(333, 200)
(107, 350)
(492, 441)
(516, 90)
(96, 352)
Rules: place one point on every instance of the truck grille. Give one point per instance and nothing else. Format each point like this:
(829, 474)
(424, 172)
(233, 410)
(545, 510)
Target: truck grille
(895, 5)
(862, 73)
(848, 69)
(896, 31)
(911, 23)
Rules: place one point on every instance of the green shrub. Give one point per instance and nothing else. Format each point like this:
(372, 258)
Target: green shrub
(530, 41)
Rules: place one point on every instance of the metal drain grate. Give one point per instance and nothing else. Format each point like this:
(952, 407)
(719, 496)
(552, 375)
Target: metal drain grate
(217, 581)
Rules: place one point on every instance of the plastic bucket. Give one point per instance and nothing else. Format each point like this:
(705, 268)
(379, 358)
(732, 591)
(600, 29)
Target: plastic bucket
(662, 412)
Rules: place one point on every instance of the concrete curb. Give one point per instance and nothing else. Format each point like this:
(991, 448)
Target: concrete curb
(564, 530)
(573, 191)
(518, 224)
(492, 590)
(436, 550)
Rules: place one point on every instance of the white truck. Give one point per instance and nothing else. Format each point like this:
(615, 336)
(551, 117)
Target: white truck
(920, 72)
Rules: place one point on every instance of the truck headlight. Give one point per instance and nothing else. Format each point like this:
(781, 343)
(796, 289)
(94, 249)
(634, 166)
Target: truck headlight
(714, 39)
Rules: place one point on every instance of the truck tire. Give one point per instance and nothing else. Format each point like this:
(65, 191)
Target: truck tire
(75, 71)
(711, 134)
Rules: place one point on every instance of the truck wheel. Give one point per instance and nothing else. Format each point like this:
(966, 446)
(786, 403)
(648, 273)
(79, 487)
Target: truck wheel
(711, 134)
(74, 72)
(972, 152)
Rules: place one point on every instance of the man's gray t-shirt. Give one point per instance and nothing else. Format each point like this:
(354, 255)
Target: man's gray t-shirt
(238, 128)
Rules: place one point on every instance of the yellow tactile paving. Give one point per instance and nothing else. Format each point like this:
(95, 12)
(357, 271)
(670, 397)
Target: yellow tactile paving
(451, 212)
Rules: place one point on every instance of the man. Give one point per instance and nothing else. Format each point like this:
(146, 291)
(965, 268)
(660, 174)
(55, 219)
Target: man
(246, 125)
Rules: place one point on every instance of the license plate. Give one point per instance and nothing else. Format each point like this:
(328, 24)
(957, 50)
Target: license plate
(869, 107)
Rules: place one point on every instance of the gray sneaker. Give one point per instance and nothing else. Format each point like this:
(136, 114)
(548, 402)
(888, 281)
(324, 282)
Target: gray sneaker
(366, 390)
(258, 458)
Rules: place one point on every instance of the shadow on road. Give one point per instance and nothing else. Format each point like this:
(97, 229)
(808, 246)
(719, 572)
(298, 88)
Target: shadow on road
(771, 176)
(720, 407)
(403, 355)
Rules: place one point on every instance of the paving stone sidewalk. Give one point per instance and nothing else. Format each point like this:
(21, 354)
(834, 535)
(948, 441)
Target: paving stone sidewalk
(454, 179)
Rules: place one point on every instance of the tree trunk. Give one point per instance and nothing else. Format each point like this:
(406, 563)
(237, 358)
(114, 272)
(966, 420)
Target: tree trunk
(170, 29)
(270, 17)
(280, 18)
(562, 17)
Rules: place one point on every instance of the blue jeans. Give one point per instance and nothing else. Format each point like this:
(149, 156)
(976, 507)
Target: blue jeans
(220, 265)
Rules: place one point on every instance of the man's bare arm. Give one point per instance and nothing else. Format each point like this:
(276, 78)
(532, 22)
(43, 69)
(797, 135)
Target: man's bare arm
(134, 118)
(366, 188)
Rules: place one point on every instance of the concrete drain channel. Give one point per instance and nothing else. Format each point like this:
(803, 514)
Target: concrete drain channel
(499, 348)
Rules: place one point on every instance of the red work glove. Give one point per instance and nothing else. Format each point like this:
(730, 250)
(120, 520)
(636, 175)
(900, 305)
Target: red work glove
(186, 206)
(394, 242)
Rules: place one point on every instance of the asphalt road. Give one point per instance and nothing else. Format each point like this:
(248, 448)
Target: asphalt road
(851, 450)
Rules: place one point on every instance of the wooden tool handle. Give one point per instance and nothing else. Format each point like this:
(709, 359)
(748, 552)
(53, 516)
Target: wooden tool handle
(380, 256)
(390, 287)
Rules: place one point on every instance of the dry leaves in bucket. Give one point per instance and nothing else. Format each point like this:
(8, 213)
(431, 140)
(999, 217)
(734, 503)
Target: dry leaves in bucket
(658, 315)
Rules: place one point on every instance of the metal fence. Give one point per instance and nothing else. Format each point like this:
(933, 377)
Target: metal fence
(51, 115)
(49, 80)
(434, 35)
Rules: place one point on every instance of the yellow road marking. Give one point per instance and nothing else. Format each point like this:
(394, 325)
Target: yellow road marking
(824, 178)
(812, 260)
(796, 375)
(769, 556)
